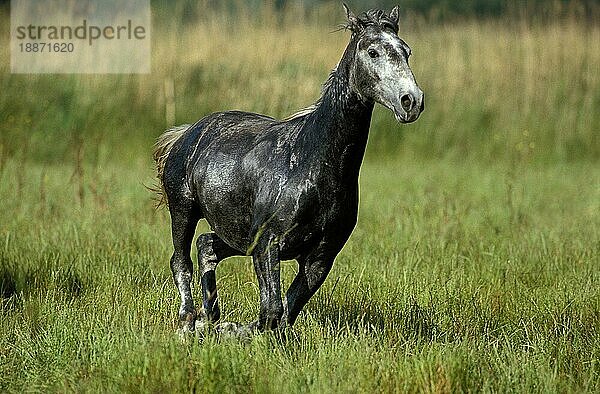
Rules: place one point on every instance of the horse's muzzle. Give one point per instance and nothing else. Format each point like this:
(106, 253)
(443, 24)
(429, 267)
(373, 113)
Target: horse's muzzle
(410, 108)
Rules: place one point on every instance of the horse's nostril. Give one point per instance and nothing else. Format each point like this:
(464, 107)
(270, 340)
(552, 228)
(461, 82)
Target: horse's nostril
(407, 102)
(422, 104)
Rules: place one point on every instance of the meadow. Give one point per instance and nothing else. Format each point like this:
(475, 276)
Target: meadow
(473, 267)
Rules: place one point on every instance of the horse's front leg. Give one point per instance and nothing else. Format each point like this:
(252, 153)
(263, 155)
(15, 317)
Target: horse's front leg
(266, 265)
(312, 271)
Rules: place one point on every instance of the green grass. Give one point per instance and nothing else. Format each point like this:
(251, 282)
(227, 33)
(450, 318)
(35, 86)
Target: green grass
(496, 90)
(473, 267)
(458, 276)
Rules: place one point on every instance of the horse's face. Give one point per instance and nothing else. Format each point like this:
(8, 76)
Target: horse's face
(381, 72)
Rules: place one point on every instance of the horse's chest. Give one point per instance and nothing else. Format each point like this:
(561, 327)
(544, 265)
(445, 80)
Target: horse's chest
(316, 210)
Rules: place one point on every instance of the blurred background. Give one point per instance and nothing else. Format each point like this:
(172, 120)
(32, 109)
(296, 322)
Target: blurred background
(503, 79)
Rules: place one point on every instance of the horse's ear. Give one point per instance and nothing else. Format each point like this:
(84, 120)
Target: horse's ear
(395, 15)
(353, 22)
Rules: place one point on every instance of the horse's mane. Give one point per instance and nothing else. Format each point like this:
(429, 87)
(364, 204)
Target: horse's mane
(311, 108)
(369, 18)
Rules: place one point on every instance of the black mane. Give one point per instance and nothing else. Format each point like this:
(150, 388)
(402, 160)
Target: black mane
(373, 17)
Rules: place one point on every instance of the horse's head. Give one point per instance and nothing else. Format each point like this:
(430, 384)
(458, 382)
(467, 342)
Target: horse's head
(380, 71)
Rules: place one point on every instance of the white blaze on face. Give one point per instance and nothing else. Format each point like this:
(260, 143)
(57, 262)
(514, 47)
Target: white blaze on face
(406, 81)
(393, 40)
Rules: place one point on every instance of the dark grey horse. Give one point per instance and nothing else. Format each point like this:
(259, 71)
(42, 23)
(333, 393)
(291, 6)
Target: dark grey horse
(282, 189)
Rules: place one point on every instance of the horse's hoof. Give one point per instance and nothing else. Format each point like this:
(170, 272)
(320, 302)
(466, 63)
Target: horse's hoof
(184, 333)
(201, 315)
(227, 328)
(236, 330)
(203, 326)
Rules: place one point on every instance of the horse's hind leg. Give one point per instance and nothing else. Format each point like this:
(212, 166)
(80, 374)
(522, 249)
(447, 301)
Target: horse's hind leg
(211, 250)
(183, 225)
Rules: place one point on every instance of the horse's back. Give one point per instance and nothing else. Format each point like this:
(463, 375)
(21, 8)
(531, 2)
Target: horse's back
(216, 151)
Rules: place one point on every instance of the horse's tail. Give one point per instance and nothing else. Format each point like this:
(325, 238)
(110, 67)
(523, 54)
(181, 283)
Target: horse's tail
(162, 148)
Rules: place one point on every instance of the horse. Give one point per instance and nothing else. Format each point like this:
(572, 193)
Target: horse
(282, 189)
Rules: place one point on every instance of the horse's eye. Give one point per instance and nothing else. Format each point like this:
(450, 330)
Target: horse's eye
(373, 53)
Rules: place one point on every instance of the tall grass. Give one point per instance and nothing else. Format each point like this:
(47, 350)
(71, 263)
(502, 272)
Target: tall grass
(494, 90)
(473, 266)
(458, 277)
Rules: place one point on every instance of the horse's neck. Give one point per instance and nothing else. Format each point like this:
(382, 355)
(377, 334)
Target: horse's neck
(340, 122)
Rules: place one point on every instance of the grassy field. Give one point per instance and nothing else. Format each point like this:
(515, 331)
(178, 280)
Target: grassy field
(474, 265)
